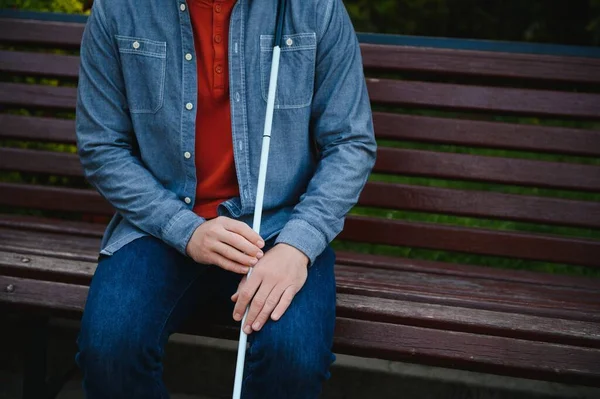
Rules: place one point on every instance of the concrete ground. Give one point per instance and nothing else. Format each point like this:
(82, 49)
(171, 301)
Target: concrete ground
(202, 368)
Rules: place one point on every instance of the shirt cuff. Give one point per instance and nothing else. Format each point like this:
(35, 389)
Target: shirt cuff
(304, 237)
(180, 228)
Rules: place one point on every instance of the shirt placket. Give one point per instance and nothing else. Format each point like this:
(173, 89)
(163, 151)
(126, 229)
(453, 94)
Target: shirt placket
(219, 47)
(188, 108)
(237, 90)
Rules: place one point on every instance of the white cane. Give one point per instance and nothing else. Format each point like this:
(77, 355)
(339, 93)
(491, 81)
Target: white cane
(262, 174)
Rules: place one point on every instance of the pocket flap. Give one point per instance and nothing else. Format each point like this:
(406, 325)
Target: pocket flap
(298, 41)
(136, 45)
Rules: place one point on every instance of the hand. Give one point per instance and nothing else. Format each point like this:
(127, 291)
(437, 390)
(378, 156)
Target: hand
(227, 243)
(274, 282)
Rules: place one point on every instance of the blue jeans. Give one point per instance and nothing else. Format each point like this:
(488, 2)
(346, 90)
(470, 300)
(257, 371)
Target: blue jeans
(145, 291)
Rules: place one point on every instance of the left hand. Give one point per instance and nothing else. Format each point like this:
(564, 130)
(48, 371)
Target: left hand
(275, 280)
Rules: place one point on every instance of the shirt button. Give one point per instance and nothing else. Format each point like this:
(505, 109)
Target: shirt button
(187, 155)
(217, 8)
(219, 69)
(188, 57)
(218, 38)
(189, 106)
(237, 97)
(136, 45)
(187, 200)
(289, 42)
(182, 7)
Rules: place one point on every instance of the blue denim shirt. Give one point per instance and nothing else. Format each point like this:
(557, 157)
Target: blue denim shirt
(136, 113)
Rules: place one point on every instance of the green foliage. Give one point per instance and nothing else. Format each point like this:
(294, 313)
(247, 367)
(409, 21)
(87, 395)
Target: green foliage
(547, 21)
(66, 6)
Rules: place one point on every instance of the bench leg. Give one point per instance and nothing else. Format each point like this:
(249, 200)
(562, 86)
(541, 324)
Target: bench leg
(34, 371)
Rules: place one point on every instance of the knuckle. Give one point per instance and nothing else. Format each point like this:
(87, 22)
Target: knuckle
(272, 302)
(259, 302)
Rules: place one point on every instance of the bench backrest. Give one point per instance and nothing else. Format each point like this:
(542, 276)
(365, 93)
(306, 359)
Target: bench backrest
(485, 157)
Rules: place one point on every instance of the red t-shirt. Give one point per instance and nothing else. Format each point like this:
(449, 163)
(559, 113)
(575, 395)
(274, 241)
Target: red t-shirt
(215, 167)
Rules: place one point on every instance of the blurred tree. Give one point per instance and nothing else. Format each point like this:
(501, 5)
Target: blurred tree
(547, 21)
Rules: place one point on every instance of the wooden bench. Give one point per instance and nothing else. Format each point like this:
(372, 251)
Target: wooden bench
(429, 195)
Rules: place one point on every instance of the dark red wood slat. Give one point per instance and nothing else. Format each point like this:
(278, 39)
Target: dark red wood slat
(481, 63)
(382, 262)
(45, 33)
(525, 172)
(396, 161)
(387, 126)
(33, 161)
(509, 136)
(477, 321)
(481, 204)
(39, 64)
(393, 196)
(480, 353)
(38, 96)
(49, 130)
(478, 98)
(470, 290)
(54, 199)
(558, 249)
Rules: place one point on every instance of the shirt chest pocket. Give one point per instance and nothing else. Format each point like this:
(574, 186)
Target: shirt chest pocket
(143, 63)
(295, 83)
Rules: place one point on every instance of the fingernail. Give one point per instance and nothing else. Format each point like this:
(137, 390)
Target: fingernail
(256, 326)
(275, 316)
(259, 254)
(261, 243)
(247, 329)
(253, 261)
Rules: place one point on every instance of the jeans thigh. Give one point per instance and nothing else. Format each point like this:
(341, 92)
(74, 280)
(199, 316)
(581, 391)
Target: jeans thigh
(146, 288)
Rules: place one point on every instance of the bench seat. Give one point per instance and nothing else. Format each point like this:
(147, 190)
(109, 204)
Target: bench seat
(468, 317)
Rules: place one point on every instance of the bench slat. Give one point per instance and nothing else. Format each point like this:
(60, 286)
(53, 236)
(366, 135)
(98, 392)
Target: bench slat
(480, 353)
(389, 160)
(46, 162)
(400, 265)
(38, 96)
(508, 136)
(455, 97)
(446, 165)
(402, 93)
(387, 126)
(381, 195)
(471, 292)
(54, 199)
(558, 249)
(47, 130)
(39, 64)
(481, 63)
(46, 33)
(481, 204)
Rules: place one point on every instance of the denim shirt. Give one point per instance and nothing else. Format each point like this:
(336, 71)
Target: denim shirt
(136, 113)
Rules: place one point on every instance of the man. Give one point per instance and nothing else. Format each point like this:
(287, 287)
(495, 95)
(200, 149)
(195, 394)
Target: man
(170, 114)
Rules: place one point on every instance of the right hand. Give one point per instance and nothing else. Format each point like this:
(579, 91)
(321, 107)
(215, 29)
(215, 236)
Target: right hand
(227, 243)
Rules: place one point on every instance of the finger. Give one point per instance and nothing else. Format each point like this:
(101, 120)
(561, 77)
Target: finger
(245, 231)
(234, 255)
(257, 305)
(234, 297)
(245, 295)
(268, 308)
(240, 243)
(229, 265)
(284, 303)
